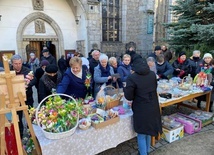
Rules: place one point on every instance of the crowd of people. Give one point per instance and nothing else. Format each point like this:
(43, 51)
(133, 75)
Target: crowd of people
(137, 76)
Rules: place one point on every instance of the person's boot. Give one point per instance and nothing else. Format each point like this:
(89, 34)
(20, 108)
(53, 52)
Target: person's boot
(199, 104)
(211, 105)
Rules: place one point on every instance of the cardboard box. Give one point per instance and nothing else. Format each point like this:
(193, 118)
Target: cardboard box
(105, 123)
(171, 135)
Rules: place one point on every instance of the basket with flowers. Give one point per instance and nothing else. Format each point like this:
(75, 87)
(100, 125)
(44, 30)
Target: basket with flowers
(58, 116)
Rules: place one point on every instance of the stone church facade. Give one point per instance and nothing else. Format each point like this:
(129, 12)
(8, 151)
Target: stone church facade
(65, 26)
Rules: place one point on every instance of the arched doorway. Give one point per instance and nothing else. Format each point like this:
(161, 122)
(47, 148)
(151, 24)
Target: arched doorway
(55, 44)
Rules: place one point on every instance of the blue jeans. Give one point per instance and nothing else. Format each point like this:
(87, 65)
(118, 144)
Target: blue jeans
(144, 142)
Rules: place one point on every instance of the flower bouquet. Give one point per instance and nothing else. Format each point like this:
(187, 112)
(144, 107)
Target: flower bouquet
(58, 117)
(88, 80)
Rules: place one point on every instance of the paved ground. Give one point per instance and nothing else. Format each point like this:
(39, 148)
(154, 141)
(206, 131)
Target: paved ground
(201, 143)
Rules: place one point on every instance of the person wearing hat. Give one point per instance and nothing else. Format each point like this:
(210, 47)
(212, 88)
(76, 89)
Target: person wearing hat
(49, 81)
(157, 51)
(141, 88)
(38, 74)
(33, 62)
(206, 64)
(47, 56)
(181, 66)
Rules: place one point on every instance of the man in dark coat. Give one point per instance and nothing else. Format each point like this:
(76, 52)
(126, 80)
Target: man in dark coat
(62, 64)
(47, 56)
(93, 62)
(167, 53)
(157, 51)
(133, 54)
(141, 87)
(17, 66)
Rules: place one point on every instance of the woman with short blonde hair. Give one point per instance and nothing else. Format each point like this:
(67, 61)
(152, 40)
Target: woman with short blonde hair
(73, 82)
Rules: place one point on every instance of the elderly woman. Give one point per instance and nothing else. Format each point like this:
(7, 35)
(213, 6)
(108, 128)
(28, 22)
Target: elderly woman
(181, 66)
(151, 64)
(124, 69)
(102, 73)
(113, 63)
(73, 82)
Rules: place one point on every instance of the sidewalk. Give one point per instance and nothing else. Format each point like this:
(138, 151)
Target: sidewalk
(196, 144)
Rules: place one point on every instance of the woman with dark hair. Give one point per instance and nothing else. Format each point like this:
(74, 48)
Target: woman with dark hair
(182, 66)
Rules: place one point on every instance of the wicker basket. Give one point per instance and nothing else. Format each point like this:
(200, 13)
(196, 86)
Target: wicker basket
(184, 86)
(110, 90)
(51, 135)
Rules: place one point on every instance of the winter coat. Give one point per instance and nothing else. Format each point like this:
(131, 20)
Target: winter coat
(72, 85)
(185, 67)
(124, 71)
(50, 59)
(167, 55)
(92, 64)
(38, 74)
(46, 85)
(134, 56)
(62, 65)
(164, 70)
(195, 66)
(99, 80)
(141, 88)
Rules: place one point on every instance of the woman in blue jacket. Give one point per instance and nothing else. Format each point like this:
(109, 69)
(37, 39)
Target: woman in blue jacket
(124, 69)
(73, 82)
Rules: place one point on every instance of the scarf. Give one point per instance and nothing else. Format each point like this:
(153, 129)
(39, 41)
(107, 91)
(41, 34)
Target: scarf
(180, 61)
(51, 82)
(32, 60)
(105, 72)
(79, 75)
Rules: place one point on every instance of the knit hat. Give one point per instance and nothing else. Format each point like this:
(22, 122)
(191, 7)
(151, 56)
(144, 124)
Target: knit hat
(51, 68)
(208, 55)
(44, 63)
(157, 48)
(181, 53)
(45, 50)
(32, 54)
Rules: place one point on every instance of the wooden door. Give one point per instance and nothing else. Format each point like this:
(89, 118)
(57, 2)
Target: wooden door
(34, 47)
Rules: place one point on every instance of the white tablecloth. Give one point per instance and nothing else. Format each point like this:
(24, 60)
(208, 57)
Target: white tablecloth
(91, 141)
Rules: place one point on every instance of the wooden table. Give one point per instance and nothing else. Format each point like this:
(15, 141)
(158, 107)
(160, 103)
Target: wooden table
(180, 101)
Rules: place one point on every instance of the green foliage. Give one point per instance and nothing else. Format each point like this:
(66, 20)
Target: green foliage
(194, 26)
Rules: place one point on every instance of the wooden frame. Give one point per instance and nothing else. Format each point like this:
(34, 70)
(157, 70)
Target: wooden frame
(10, 103)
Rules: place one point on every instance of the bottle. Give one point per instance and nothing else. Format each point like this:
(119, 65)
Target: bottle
(189, 79)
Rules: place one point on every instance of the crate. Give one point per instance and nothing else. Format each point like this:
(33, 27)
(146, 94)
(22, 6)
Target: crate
(191, 125)
(203, 116)
(171, 135)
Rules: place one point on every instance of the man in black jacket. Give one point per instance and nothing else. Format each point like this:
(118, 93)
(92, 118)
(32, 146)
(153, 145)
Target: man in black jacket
(17, 66)
(47, 56)
(93, 62)
(62, 64)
